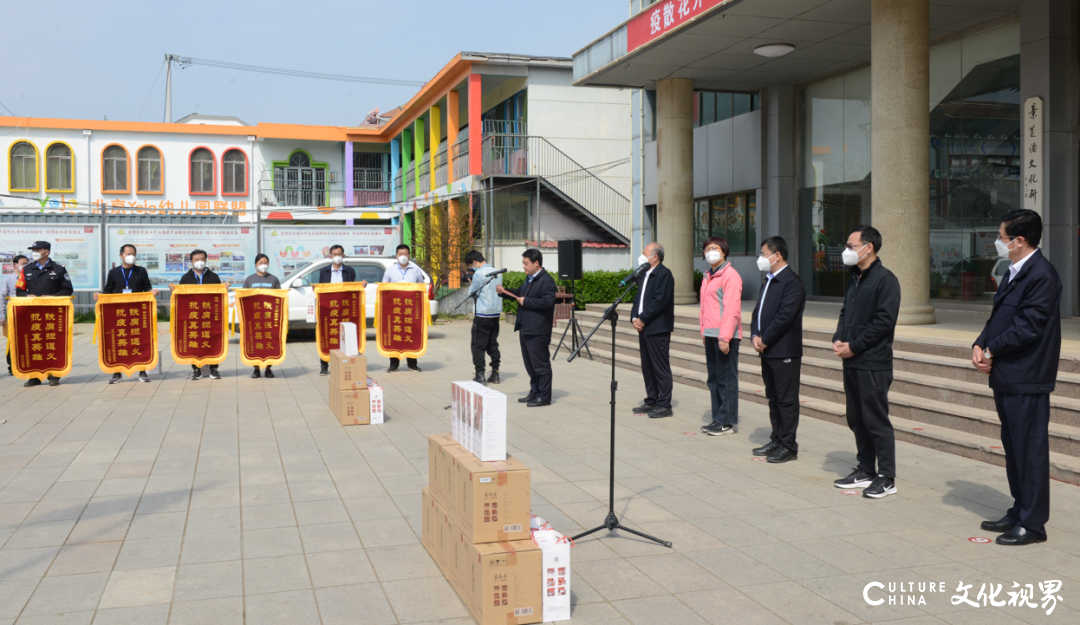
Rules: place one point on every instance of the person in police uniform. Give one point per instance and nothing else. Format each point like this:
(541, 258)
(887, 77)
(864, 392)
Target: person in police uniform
(44, 277)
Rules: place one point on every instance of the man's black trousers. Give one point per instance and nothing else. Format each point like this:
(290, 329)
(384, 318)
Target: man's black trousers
(485, 340)
(536, 352)
(868, 417)
(782, 378)
(656, 368)
(1025, 437)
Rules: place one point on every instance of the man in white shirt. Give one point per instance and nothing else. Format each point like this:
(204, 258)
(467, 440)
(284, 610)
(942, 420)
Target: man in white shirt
(404, 270)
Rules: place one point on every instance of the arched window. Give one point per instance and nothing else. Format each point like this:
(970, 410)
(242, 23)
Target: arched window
(114, 170)
(202, 172)
(299, 159)
(150, 170)
(22, 165)
(59, 168)
(234, 173)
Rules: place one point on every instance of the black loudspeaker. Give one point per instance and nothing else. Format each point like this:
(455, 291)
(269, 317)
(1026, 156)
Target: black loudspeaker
(570, 259)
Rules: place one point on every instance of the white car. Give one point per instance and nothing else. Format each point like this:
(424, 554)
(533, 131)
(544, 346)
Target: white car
(370, 268)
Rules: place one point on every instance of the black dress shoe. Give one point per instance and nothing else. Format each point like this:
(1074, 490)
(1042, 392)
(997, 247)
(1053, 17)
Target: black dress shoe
(392, 370)
(54, 381)
(782, 455)
(256, 373)
(539, 402)
(494, 377)
(1000, 526)
(660, 412)
(32, 382)
(1019, 536)
(479, 379)
(644, 408)
(767, 449)
(525, 400)
(415, 368)
(269, 373)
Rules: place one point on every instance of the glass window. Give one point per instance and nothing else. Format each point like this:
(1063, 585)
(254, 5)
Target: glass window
(115, 169)
(755, 102)
(23, 166)
(58, 168)
(723, 106)
(235, 173)
(752, 244)
(708, 108)
(742, 103)
(718, 218)
(149, 170)
(701, 223)
(367, 271)
(299, 159)
(202, 171)
(736, 224)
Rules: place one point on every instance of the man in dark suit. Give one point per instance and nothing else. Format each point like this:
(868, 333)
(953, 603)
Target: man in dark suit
(536, 314)
(200, 274)
(653, 316)
(127, 278)
(776, 329)
(1019, 349)
(336, 271)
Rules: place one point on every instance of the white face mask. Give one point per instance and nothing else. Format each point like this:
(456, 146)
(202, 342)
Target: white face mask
(763, 263)
(642, 260)
(1002, 248)
(199, 265)
(403, 260)
(712, 257)
(337, 259)
(262, 268)
(35, 256)
(851, 257)
(129, 259)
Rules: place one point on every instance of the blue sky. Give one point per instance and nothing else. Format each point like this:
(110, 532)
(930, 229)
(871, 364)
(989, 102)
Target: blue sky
(85, 60)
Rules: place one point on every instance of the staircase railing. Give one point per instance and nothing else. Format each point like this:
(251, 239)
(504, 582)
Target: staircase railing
(527, 156)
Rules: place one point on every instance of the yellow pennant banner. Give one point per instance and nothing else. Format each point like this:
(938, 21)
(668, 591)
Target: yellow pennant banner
(263, 315)
(125, 330)
(199, 324)
(336, 303)
(40, 333)
(402, 317)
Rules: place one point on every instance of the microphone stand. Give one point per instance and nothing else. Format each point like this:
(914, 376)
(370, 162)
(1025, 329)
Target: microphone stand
(476, 295)
(612, 521)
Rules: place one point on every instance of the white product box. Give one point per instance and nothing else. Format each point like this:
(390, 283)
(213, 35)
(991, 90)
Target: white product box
(555, 570)
(375, 392)
(478, 420)
(347, 341)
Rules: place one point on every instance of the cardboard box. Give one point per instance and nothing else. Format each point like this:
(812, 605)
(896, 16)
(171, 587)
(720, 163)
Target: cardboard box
(377, 410)
(348, 372)
(432, 513)
(351, 407)
(501, 583)
(443, 455)
(447, 535)
(491, 499)
(478, 419)
(347, 340)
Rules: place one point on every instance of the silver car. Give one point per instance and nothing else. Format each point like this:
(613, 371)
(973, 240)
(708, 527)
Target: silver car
(370, 268)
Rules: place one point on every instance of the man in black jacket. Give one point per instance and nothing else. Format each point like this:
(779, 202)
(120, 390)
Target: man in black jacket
(864, 338)
(653, 316)
(536, 314)
(336, 271)
(1019, 349)
(776, 329)
(200, 274)
(127, 278)
(43, 278)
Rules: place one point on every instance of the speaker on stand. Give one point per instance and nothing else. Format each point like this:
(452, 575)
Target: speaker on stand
(570, 269)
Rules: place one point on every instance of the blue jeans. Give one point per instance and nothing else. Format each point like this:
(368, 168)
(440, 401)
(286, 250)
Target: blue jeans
(723, 381)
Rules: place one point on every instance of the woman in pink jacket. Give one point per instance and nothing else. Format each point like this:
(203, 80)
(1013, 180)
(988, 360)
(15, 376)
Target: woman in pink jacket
(721, 332)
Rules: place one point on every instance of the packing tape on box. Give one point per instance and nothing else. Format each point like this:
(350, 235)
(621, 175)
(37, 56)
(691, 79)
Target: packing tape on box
(511, 554)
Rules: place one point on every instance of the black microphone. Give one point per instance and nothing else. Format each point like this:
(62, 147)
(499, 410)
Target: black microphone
(634, 277)
(495, 273)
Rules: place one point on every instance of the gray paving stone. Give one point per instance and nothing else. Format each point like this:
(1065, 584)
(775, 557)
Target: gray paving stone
(224, 611)
(440, 600)
(138, 587)
(139, 615)
(209, 581)
(363, 604)
(296, 607)
(339, 568)
(68, 593)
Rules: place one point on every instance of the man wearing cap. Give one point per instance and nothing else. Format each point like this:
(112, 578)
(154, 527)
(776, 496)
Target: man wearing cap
(43, 278)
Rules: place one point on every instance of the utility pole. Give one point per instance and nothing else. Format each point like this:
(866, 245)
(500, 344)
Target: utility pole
(168, 89)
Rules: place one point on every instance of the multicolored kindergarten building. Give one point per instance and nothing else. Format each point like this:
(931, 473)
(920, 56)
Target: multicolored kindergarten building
(502, 146)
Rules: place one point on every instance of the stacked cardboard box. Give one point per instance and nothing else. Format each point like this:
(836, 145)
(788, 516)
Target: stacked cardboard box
(355, 399)
(478, 419)
(476, 528)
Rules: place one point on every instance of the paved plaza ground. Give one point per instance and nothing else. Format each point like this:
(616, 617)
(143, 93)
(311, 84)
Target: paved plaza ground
(244, 501)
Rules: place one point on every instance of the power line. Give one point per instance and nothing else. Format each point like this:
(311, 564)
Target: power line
(8, 110)
(186, 61)
(151, 91)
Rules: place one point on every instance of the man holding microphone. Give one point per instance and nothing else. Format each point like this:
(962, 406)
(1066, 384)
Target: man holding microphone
(488, 309)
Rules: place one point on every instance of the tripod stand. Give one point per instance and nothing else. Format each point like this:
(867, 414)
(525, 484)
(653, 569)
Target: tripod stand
(612, 521)
(476, 295)
(574, 328)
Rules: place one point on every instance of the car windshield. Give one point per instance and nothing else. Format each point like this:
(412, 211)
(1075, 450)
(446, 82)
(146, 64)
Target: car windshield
(289, 267)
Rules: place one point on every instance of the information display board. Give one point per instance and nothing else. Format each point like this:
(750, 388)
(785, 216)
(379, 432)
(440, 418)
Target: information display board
(164, 250)
(77, 247)
(292, 247)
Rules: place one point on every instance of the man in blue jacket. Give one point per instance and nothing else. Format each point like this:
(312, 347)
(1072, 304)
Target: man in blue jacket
(485, 328)
(1019, 349)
